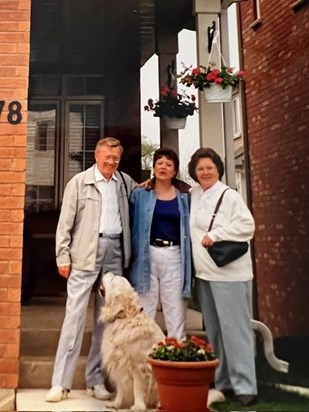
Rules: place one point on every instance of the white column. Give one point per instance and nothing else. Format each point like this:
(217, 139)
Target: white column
(210, 114)
(167, 49)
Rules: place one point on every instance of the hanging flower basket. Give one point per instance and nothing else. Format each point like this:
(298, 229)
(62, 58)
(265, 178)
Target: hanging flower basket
(183, 386)
(175, 122)
(172, 104)
(216, 94)
(217, 84)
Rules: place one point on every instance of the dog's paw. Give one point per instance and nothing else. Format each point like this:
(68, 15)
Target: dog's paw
(113, 405)
(139, 407)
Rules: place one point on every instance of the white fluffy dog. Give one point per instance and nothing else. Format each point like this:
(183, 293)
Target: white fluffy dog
(127, 341)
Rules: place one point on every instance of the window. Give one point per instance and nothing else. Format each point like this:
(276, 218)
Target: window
(298, 4)
(256, 5)
(236, 117)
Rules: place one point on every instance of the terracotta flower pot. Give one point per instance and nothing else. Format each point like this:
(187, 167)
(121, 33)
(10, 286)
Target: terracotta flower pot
(183, 386)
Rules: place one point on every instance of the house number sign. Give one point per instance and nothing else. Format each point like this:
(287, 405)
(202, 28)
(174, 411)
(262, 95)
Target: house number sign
(14, 111)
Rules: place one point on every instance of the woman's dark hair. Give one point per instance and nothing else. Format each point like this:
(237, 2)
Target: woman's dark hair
(169, 154)
(202, 153)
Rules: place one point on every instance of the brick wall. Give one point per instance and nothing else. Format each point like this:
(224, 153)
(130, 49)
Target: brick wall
(276, 57)
(14, 68)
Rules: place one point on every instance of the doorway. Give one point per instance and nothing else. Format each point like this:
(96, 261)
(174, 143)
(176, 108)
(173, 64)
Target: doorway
(62, 134)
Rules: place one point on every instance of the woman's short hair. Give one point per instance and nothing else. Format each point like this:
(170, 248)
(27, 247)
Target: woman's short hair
(169, 154)
(202, 153)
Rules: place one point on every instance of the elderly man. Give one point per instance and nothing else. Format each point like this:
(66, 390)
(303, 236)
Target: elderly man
(93, 237)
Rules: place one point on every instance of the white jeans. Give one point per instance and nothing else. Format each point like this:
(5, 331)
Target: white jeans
(166, 283)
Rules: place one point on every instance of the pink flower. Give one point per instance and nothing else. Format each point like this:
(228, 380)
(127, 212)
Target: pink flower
(164, 90)
(218, 80)
(212, 75)
(241, 74)
(196, 71)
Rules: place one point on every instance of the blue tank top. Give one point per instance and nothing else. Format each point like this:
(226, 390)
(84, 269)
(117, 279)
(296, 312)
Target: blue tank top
(166, 221)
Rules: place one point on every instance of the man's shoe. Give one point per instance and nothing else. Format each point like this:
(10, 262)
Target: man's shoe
(56, 394)
(99, 392)
(247, 400)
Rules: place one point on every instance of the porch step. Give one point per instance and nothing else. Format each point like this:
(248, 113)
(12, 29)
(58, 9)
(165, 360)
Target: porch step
(40, 330)
(35, 372)
(44, 342)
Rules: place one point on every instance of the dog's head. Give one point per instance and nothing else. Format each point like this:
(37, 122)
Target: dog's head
(121, 301)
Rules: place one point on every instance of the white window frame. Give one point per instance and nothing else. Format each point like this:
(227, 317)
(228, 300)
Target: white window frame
(236, 117)
(256, 4)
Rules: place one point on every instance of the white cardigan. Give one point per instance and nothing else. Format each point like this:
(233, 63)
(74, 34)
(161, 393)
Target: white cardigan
(232, 222)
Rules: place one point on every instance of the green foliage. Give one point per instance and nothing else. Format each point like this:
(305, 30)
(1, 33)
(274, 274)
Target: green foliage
(172, 104)
(148, 150)
(192, 350)
(203, 77)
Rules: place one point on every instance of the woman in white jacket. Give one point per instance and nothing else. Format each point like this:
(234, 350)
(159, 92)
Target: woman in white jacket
(225, 293)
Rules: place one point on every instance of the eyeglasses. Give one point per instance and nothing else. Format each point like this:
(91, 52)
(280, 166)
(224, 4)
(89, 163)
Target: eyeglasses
(111, 159)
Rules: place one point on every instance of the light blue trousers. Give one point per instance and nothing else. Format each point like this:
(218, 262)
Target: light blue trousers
(227, 312)
(79, 287)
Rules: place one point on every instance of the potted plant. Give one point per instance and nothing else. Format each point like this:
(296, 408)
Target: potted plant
(216, 83)
(183, 372)
(173, 107)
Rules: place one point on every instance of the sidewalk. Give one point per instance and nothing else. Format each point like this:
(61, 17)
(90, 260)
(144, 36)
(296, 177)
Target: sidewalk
(34, 399)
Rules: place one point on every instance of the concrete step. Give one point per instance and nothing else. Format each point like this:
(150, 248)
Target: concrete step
(35, 372)
(40, 330)
(44, 342)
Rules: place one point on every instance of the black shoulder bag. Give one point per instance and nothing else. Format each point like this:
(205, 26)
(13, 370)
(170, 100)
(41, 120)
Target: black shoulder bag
(225, 251)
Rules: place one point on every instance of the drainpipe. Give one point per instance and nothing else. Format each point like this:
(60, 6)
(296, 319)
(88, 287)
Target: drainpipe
(246, 158)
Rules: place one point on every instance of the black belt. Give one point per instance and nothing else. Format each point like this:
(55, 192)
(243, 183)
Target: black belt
(111, 236)
(163, 243)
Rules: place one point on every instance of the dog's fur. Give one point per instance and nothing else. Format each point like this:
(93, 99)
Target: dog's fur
(127, 341)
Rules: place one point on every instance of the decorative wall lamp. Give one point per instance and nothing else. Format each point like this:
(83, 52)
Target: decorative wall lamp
(210, 35)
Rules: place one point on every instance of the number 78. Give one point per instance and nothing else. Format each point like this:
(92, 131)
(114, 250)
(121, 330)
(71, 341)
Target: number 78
(14, 114)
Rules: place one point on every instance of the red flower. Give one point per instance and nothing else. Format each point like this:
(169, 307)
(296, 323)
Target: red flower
(198, 341)
(241, 74)
(171, 341)
(164, 90)
(218, 80)
(212, 75)
(196, 71)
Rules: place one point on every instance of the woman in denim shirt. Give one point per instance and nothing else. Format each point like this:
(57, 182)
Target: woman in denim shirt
(161, 252)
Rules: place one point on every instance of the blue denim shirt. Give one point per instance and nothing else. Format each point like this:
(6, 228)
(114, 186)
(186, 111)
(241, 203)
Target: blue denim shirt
(142, 204)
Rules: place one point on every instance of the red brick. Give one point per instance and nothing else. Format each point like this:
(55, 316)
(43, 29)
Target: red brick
(15, 268)
(9, 322)
(9, 336)
(277, 101)
(9, 351)
(8, 381)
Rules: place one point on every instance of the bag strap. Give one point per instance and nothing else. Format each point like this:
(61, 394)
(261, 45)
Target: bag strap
(124, 182)
(216, 209)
